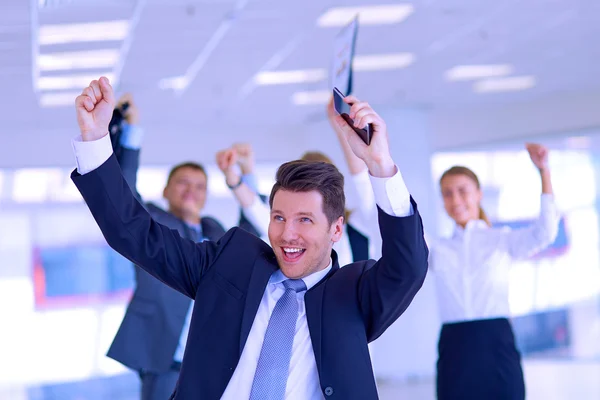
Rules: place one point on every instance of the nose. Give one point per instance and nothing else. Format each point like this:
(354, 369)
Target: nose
(454, 198)
(289, 233)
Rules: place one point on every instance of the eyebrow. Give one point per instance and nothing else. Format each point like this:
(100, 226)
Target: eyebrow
(301, 214)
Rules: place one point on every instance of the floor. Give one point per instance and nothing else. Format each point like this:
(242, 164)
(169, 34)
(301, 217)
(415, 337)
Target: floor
(546, 380)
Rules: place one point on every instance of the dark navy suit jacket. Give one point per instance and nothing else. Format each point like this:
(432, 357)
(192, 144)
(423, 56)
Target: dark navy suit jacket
(346, 310)
(150, 331)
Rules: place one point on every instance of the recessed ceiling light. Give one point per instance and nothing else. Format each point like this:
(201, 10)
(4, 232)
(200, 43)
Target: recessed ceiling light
(86, 32)
(367, 15)
(78, 60)
(283, 77)
(311, 98)
(377, 62)
(511, 84)
(466, 72)
(69, 81)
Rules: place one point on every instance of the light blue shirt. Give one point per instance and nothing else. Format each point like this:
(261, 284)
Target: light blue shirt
(131, 136)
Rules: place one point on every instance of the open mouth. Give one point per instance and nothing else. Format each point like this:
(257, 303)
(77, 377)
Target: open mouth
(292, 254)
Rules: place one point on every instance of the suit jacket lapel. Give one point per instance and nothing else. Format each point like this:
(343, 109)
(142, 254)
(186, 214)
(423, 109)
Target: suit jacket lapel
(313, 301)
(261, 272)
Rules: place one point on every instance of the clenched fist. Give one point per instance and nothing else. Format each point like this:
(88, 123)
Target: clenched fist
(94, 108)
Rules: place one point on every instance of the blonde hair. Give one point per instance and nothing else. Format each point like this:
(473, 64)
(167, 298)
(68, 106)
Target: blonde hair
(460, 170)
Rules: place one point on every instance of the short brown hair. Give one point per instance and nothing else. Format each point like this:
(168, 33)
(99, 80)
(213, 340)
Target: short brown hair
(306, 176)
(188, 164)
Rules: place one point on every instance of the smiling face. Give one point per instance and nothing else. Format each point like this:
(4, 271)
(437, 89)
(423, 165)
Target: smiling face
(462, 195)
(307, 208)
(186, 192)
(300, 233)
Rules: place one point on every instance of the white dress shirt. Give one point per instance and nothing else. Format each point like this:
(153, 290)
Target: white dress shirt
(364, 212)
(392, 197)
(303, 378)
(471, 268)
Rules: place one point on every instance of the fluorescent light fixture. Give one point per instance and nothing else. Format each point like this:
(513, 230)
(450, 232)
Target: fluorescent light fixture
(316, 97)
(284, 77)
(175, 83)
(378, 62)
(85, 32)
(367, 15)
(511, 84)
(466, 72)
(60, 99)
(69, 81)
(78, 60)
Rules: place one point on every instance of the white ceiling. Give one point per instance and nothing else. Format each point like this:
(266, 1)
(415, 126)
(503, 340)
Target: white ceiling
(554, 40)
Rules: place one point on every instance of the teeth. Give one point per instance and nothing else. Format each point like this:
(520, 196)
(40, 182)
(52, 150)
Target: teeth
(288, 250)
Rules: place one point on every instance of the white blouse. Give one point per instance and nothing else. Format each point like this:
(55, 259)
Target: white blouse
(471, 268)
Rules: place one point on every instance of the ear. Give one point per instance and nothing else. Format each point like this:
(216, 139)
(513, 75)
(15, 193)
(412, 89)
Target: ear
(165, 192)
(337, 229)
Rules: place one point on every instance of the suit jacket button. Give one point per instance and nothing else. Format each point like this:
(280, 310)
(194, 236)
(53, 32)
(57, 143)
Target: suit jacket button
(328, 391)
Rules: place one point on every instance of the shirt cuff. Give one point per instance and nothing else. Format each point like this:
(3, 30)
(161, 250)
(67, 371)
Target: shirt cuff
(391, 195)
(90, 155)
(131, 137)
(251, 182)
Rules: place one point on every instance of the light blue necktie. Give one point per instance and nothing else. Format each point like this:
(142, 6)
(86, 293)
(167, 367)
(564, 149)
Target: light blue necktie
(273, 366)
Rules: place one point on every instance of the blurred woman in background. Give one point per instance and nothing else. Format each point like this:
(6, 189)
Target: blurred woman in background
(477, 356)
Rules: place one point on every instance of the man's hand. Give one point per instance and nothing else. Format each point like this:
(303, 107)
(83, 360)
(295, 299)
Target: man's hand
(226, 160)
(132, 114)
(539, 155)
(377, 154)
(94, 109)
(245, 157)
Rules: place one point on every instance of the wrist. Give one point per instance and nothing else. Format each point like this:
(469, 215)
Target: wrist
(246, 170)
(93, 136)
(232, 180)
(382, 167)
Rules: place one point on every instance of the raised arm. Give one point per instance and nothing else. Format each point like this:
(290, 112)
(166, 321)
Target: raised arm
(387, 287)
(125, 224)
(130, 142)
(364, 209)
(355, 164)
(255, 211)
(526, 242)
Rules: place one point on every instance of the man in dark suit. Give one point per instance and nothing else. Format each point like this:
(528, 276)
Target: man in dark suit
(151, 338)
(269, 322)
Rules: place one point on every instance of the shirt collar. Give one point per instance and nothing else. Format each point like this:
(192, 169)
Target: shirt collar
(474, 224)
(310, 280)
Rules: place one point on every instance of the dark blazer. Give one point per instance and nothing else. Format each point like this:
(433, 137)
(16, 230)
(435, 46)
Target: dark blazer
(150, 331)
(346, 310)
